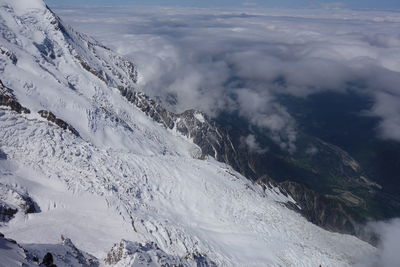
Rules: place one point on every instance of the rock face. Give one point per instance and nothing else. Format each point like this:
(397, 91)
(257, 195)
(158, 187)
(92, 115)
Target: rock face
(63, 254)
(8, 99)
(6, 212)
(48, 260)
(48, 255)
(8, 54)
(3, 155)
(212, 139)
(149, 254)
(196, 125)
(12, 254)
(59, 122)
(321, 210)
(12, 201)
(149, 107)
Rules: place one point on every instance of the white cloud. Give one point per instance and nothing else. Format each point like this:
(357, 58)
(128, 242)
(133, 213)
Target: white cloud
(241, 60)
(252, 144)
(312, 150)
(388, 255)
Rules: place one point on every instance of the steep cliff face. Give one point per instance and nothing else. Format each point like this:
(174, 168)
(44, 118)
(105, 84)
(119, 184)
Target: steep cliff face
(321, 210)
(7, 99)
(59, 122)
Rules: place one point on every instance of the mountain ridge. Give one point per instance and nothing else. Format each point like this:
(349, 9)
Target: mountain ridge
(124, 176)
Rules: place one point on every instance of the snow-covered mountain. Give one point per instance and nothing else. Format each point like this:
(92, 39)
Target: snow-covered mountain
(84, 156)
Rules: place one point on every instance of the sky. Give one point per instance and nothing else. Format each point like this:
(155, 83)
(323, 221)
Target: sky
(356, 4)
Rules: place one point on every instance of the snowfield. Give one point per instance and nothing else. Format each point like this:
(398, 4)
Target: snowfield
(126, 176)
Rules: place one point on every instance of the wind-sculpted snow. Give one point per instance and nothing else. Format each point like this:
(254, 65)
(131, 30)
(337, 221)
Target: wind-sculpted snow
(126, 176)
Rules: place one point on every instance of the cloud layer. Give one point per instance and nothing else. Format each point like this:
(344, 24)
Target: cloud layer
(241, 60)
(388, 254)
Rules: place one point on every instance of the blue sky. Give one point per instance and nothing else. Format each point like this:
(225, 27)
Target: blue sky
(363, 4)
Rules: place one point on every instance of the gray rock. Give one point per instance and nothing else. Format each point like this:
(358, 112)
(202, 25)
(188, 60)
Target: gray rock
(9, 100)
(59, 122)
(3, 155)
(149, 254)
(13, 200)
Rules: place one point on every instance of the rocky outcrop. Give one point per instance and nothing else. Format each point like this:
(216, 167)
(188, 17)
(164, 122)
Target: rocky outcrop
(128, 254)
(212, 139)
(321, 210)
(87, 67)
(196, 125)
(48, 260)
(3, 155)
(8, 54)
(13, 201)
(59, 122)
(149, 106)
(46, 255)
(13, 254)
(6, 212)
(9, 100)
(62, 254)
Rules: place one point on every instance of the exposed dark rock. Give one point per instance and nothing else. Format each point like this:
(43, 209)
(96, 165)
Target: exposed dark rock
(3, 155)
(48, 260)
(212, 140)
(149, 107)
(321, 210)
(46, 48)
(62, 124)
(137, 254)
(6, 212)
(58, 26)
(193, 124)
(12, 201)
(203, 261)
(83, 258)
(64, 254)
(87, 67)
(9, 100)
(11, 249)
(45, 255)
(10, 55)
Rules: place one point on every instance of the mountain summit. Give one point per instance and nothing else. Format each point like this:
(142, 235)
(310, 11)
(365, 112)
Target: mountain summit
(94, 172)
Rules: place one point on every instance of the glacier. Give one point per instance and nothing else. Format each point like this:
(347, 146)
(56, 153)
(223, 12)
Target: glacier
(125, 176)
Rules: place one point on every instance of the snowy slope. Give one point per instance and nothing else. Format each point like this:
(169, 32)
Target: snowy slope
(126, 176)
